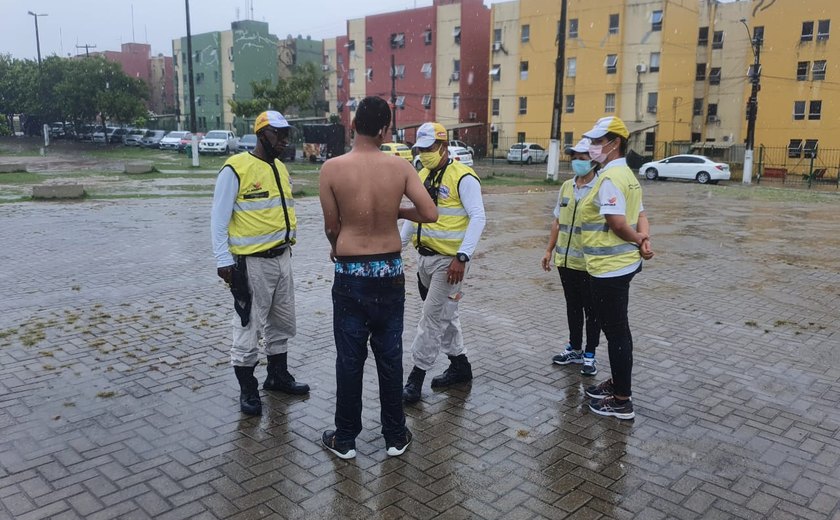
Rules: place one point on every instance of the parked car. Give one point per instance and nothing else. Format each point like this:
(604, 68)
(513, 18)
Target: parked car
(59, 130)
(456, 153)
(462, 144)
(247, 143)
(693, 167)
(152, 139)
(116, 135)
(398, 149)
(527, 153)
(133, 136)
(85, 133)
(218, 141)
(187, 140)
(172, 140)
(101, 134)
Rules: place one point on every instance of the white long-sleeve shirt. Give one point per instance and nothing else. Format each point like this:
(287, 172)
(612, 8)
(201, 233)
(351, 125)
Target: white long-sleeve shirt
(224, 197)
(469, 190)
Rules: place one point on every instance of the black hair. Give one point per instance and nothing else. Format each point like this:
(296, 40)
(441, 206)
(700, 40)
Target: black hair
(372, 115)
(622, 142)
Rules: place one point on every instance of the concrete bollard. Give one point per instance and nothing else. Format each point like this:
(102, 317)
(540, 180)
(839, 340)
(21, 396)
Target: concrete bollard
(12, 167)
(135, 167)
(58, 191)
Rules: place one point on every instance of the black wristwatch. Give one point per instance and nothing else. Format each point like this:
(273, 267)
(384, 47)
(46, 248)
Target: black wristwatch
(462, 257)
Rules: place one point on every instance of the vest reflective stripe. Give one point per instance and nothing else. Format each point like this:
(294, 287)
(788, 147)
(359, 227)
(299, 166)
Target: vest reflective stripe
(258, 224)
(604, 251)
(445, 235)
(567, 251)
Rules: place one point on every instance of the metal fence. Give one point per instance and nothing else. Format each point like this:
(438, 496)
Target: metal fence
(797, 166)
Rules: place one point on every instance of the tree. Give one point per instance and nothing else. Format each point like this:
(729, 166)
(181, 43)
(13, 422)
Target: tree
(294, 92)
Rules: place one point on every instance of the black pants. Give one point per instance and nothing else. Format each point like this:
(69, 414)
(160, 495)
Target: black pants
(579, 307)
(610, 297)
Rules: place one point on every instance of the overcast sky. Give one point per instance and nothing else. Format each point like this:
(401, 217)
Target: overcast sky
(107, 23)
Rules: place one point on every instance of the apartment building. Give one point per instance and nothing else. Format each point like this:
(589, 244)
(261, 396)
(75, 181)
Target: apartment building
(436, 57)
(137, 62)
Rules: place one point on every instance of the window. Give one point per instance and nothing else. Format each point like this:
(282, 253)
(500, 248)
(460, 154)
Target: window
(807, 32)
(427, 37)
(818, 70)
(339, 106)
(351, 75)
(427, 101)
(526, 33)
(523, 105)
(795, 148)
(823, 27)
(717, 40)
(711, 113)
(351, 103)
(814, 110)
(520, 137)
(456, 33)
(216, 76)
(496, 72)
(497, 36)
(570, 104)
(456, 100)
(369, 74)
(398, 71)
(217, 100)
(369, 44)
(810, 148)
(697, 110)
(199, 78)
(571, 67)
(495, 110)
(426, 69)
(397, 40)
(611, 63)
(653, 99)
(802, 70)
(714, 76)
(758, 34)
(339, 82)
(400, 102)
(703, 37)
(650, 141)
(523, 70)
(654, 62)
(656, 21)
(573, 28)
(798, 110)
(696, 137)
(197, 56)
(351, 47)
(567, 139)
(613, 24)
(701, 72)
(609, 103)
(339, 59)
(175, 60)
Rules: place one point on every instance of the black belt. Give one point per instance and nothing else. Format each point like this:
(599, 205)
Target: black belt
(427, 251)
(271, 253)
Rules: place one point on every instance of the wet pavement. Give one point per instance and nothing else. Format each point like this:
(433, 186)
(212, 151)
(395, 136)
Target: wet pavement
(117, 401)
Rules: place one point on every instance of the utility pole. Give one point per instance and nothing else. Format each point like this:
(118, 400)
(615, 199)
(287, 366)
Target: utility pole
(193, 127)
(87, 49)
(560, 66)
(37, 36)
(752, 103)
(394, 135)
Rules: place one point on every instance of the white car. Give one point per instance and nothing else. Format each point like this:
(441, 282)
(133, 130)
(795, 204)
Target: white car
(218, 141)
(101, 134)
(172, 140)
(462, 144)
(527, 153)
(456, 153)
(693, 167)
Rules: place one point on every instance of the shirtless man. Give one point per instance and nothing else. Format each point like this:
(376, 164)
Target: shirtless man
(360, 196)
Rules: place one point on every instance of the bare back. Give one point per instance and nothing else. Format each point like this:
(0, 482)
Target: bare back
(365, 188)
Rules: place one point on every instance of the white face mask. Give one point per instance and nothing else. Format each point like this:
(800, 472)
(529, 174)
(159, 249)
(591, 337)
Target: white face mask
(596, 151)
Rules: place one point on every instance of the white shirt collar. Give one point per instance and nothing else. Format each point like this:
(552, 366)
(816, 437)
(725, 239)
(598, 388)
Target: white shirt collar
(621, 161)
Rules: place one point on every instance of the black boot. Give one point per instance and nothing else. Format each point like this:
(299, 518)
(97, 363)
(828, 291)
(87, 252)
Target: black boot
(249, 391)
(280, 379)
(411, 392)
(459, 371)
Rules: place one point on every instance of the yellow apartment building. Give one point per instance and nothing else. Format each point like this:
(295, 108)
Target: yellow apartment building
(503, 108)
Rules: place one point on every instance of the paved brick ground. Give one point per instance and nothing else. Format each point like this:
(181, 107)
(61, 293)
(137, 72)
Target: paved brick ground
(116, 400)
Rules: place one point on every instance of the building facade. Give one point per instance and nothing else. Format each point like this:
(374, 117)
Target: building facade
(156, 72)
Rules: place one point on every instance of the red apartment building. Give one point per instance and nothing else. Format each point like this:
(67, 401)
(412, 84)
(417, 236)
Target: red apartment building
(137, 62)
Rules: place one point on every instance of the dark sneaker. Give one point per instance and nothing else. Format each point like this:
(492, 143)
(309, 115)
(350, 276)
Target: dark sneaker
(590, 367)
(400, 447)
(611, 407)
(601, 391)
(340, 451)
(569, 357)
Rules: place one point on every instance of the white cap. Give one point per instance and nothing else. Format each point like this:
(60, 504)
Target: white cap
(428, 133)
(581, 147)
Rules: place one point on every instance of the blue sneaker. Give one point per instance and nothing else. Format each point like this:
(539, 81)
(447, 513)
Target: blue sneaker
(589, 365)
(569, 357)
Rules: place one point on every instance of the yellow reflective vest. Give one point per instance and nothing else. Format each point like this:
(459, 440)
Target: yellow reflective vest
(568, 252)
(445, 235)
(264, 211)
(603, 250)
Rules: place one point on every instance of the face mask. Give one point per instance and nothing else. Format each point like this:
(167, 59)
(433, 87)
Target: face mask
(430, 160)
(596, 151)
(581, 167)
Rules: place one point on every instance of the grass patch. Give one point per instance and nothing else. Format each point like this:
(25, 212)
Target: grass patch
(21, 178)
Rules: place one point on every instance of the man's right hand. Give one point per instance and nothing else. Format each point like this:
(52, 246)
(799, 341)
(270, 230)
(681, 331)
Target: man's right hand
(225, 273)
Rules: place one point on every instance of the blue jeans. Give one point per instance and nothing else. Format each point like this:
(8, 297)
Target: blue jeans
(368, 308)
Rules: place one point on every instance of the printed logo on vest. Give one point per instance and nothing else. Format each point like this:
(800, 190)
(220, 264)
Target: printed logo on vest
(443, 193)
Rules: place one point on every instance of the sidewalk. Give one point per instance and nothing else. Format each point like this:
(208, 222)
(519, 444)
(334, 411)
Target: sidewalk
(117, 400)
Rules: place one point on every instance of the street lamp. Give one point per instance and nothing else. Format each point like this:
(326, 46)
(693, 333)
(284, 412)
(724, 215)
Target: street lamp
(752, 104)
(37, 37)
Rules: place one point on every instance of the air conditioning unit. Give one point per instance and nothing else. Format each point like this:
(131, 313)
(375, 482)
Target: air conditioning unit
(455, 76)
(473, 116)
(325, 67)
(641, 67)
(497, 46)
(714, 119)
